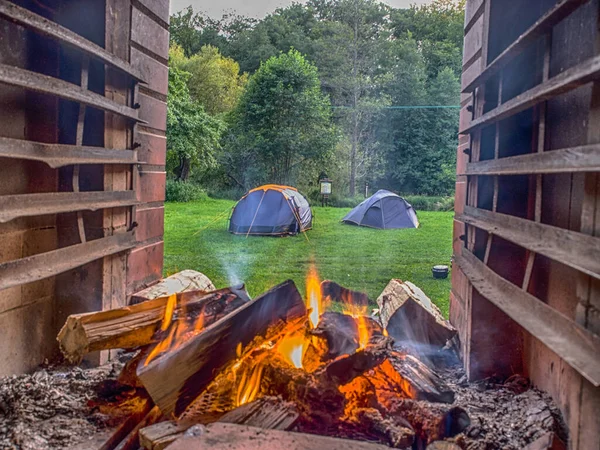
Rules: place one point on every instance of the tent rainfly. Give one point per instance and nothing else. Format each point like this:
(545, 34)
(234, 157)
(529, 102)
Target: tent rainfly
(271, 210)
(384, 210)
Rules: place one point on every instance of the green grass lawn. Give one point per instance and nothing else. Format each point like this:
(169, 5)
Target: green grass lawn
(359, 258)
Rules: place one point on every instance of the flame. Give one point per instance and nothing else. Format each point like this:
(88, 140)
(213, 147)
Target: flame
(363, 332)
(249, 384)
(179, 331)
(385, 332)
(359, 314)
(169, 309)
(292, 349)
(314, 302)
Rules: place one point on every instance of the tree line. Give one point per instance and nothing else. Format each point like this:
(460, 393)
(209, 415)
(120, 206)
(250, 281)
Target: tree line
(353, 88)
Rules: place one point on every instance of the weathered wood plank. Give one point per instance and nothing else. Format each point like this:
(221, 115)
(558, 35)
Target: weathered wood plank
(585, 158)
(46, 265)
(543, 25)
(221, 436)
(59, 155)
(154, 72)
(28, 205)
(149, 34)
(51, 29)
(177, 378)
(576, 250)
(566, 81)
(573, 343)
(45, 84)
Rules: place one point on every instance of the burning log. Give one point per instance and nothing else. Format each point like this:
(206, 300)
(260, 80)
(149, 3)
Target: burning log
(410, 317)
(394, 431)
(135, 326)
(177, 378)
(221, 436)
(334, 292)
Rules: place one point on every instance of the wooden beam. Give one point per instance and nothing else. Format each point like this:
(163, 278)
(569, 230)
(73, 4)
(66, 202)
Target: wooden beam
(39, 24)
(542, 26)
(570, 341)
(28, 205)
(222, 436)
(59, 155)
(46, 265)
(571, 248)
(566, 81)
(45, 84)
(585, 158)
(177, 378)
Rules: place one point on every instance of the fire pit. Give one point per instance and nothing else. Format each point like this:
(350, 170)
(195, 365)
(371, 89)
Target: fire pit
(217, 363)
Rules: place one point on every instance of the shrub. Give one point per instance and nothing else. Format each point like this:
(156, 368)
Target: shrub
(181, 191)
(426, 203)
(233, 193)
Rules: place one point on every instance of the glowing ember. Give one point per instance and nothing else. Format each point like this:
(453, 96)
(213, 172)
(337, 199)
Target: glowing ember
(385, 332)
(313, 294)
(292, 349)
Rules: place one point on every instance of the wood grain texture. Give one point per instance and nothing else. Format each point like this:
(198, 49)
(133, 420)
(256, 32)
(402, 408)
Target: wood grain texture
(576, 250)
(570, 341)
(149, 34)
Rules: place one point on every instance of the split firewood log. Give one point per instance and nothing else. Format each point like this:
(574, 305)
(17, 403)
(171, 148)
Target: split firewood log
(184, 281)
(135, 326)
(175, 379)
(410, 317)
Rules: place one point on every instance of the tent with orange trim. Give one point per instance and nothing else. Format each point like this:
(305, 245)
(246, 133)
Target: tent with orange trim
(271, 210)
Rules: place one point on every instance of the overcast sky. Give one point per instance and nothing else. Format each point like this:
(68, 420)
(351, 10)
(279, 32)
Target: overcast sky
(257, 8)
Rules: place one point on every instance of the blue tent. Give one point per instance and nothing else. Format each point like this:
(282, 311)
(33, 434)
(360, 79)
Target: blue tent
(383, 210)
(271, 210)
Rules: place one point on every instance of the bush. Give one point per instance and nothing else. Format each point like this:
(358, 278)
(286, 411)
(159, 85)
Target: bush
(181, 191)
(426, 203)
(234, 193)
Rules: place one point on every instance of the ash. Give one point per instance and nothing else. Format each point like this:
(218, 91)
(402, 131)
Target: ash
(505, 414)
(56, 407)
(62, 407)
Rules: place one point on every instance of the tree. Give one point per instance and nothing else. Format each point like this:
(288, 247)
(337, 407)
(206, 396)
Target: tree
(192, 134)
(282, 123)
(215, 81)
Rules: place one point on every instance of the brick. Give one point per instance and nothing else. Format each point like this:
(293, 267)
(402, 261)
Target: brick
(153, 111)
(154, 73)
(153, 148)
(149, 34)
(151, 187)
(144, 267)
(151, 223)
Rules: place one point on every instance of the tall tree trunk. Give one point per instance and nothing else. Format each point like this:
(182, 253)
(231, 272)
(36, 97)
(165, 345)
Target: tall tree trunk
(184, 168)
(355, 135)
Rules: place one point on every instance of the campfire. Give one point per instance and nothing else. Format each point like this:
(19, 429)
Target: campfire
(281, 362)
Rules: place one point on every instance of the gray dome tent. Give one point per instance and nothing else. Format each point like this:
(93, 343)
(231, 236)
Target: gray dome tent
(385, 210)
(271, 210)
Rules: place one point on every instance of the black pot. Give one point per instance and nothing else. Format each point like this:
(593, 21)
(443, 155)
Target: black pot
(440, 272)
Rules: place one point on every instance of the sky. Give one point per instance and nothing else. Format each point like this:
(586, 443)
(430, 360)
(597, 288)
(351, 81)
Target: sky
(257, 8)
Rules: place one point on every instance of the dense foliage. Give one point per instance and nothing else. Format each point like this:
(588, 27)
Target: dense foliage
(357, 89)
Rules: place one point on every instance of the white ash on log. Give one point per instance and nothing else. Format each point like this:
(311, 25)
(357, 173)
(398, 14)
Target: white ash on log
(549, 441)
(177, 378)
(135, 326)
(225, 436)
(185, 281)
(410, 317)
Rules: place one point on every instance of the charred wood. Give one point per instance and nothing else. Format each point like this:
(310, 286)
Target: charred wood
(177, 378)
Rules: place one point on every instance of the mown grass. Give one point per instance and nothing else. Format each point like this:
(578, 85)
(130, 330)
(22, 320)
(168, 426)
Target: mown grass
(363, 259)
